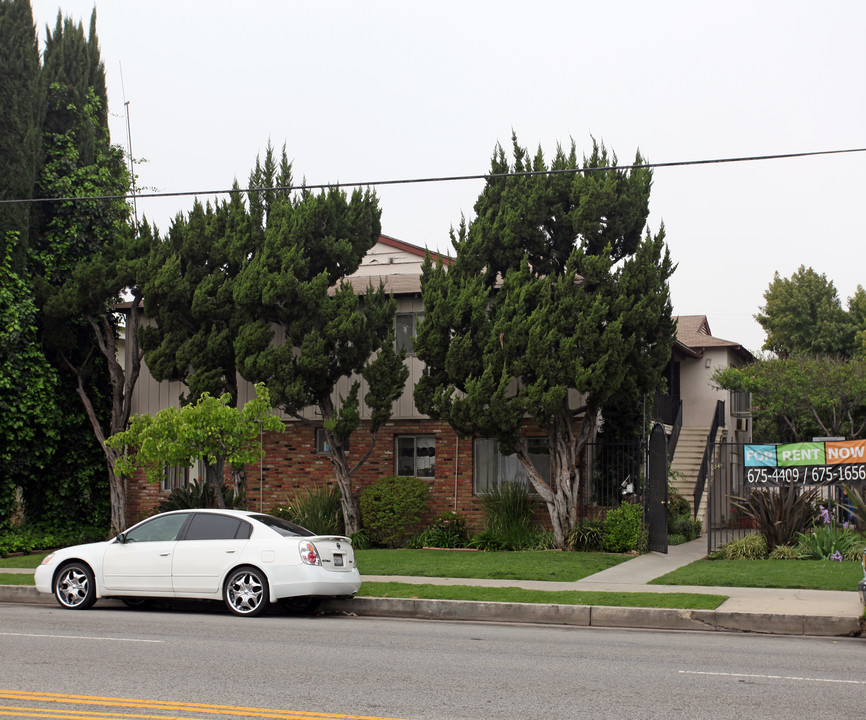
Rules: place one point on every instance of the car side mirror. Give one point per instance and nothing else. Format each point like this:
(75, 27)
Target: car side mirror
(121, 538)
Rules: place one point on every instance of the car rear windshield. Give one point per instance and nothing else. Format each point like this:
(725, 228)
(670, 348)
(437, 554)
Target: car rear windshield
(283, 527)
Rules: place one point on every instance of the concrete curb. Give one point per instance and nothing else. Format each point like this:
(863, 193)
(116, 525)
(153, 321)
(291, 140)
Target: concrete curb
(574, 615)
(598, 616)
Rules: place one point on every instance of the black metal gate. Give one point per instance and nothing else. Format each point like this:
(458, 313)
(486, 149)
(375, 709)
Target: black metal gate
(655, 503)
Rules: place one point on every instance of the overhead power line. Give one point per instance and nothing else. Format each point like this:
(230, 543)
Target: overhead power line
(450, 178)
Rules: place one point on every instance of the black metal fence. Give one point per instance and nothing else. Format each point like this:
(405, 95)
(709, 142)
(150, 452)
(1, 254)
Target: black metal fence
(726, 480)
(613, 471)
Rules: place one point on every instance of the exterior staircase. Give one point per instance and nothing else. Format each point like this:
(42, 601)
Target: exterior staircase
(686, 465)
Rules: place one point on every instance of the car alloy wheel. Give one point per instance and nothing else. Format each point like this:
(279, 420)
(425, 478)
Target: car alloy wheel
(246, 592)
(74, 587)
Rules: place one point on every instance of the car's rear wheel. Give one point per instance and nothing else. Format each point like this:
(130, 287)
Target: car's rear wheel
(74, 587)
(246, 592)
(300, 605)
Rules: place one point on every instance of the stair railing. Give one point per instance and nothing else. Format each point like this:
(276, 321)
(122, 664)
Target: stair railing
(703, 473)
(675, 432)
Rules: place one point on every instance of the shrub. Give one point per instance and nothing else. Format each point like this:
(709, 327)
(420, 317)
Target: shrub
(780, 514)
(686, 527)
(531, 539)
(360, 540)
(448, 530)
(784, 552)
(678, 506)
(318, 510)
(825, 541)
(622, 528)
(588, 536)
(750, 547)
(28, 539)
(508, 516)
(200, 494)
(391, 508)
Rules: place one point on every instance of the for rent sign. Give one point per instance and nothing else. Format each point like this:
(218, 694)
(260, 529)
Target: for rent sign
(807, 463)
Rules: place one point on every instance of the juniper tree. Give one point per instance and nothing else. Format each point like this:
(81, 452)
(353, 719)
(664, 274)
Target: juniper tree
(306, 330)
(556, 305)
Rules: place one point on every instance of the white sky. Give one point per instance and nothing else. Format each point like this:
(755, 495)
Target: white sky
(392, 90)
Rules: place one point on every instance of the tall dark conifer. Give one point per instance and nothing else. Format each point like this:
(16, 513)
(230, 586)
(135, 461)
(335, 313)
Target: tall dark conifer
(19, 125)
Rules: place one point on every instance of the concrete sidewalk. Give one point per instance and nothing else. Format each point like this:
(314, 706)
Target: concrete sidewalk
(789, 612)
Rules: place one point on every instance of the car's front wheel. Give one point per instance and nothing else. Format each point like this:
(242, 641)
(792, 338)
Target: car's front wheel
(74, 587)
(246, 592)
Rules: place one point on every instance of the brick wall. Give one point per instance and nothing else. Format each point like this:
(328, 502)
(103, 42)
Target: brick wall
(291, 465)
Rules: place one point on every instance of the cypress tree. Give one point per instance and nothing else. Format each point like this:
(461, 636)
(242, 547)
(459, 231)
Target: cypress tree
(19, 125)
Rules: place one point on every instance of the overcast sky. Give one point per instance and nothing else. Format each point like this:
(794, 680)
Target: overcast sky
(398, 90)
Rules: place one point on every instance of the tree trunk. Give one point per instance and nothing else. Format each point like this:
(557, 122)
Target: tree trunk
(351, 511)
(562, 494)
(214, 478)
(117, 495)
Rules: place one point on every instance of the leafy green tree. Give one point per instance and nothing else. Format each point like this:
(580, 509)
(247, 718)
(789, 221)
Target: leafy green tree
(857, 312)
(799, 397)
(209, 429)
(27, 392)
(86, 255)
(305, 328)
(20, 130)
(555, 307)
(803, 315)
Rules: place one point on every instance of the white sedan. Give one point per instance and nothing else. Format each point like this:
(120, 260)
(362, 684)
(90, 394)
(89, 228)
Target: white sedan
(247, 559)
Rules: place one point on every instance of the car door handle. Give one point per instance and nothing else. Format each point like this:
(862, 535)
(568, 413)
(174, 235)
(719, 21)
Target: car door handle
(165, 554)
(230, 552)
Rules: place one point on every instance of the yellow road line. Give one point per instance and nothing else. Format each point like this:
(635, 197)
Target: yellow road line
(169, 706)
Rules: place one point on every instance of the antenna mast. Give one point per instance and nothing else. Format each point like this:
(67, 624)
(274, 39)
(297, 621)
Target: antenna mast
(129, 147)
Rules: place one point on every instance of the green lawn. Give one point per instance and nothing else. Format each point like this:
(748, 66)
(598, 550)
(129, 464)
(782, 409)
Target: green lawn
(16, 579)
(530, 565)
(22, 561)
(688, 601)
(805, 574)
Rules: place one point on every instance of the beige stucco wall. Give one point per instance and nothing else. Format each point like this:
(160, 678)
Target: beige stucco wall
(698, 391)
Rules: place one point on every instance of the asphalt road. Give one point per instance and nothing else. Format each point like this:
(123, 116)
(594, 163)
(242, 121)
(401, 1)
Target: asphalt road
(161, 661)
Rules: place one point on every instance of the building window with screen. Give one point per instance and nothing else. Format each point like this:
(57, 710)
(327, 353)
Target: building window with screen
(322, 445)
(416, 456)
(175, 477)
(406, 329)
(491, 469)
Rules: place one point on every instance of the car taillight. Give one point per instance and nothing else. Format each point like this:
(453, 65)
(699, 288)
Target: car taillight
(309, 554)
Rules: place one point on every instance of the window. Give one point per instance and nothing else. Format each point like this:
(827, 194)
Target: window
(160, 529)
(283, 527)
(175, 477)
(416, 456)
(322, 442)
(205, 526)
(491, 468)
(407, 328)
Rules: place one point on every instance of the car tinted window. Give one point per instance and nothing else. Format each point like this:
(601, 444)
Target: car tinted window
(160, 528)
(208, 526)
(283, 527)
